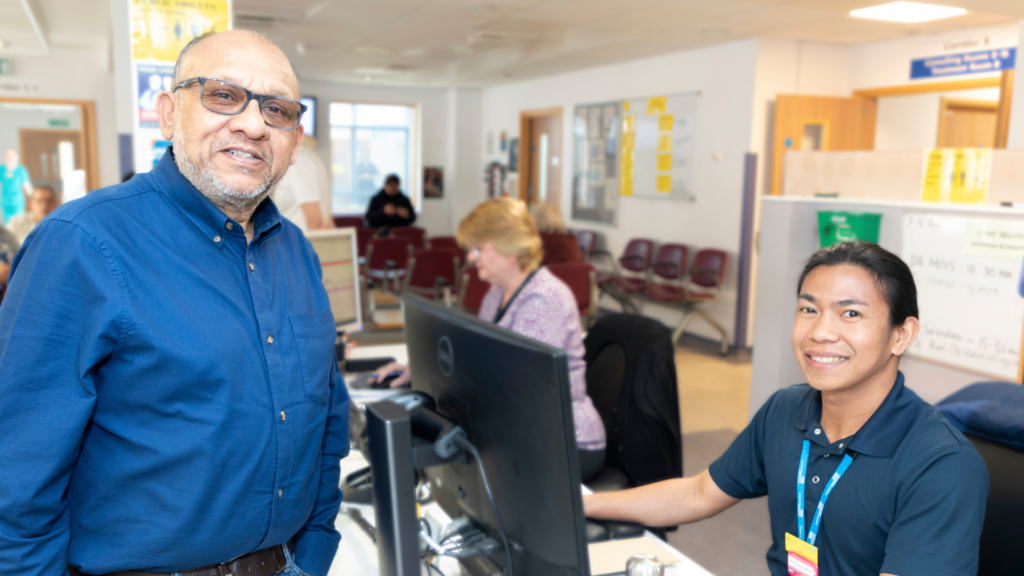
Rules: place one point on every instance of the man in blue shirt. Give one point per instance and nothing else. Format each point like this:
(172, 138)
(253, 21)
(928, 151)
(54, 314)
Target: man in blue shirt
(905, 491)
(171, 399)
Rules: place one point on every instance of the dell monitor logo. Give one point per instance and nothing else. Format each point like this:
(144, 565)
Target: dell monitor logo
(445, 360)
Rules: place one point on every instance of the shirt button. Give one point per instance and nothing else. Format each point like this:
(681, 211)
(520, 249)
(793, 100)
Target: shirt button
(270, 339)
(283, 416)
(279, 493)
(817, 431)
(815, 479)
(841, 445)
(216, 238)
(229, 226)
(251, 267)
(827, 455)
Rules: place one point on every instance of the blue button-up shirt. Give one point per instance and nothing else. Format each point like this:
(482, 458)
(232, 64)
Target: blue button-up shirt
(170, 394)
(912, 503)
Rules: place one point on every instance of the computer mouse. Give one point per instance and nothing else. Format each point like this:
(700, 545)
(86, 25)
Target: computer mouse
(411, 399)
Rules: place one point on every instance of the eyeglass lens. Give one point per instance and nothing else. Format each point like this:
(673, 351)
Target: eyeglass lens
(229, 99)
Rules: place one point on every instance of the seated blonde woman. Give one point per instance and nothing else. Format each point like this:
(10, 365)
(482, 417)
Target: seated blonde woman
(527, 299)
(559, 246)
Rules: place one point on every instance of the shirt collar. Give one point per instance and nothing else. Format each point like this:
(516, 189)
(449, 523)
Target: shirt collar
(884, 430)
(202, 213)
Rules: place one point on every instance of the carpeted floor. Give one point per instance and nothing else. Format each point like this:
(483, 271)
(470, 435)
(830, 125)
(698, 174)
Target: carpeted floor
(733, 543)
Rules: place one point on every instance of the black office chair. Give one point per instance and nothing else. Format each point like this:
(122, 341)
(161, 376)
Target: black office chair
(990, 415)
(1000, 535)
(631, 379)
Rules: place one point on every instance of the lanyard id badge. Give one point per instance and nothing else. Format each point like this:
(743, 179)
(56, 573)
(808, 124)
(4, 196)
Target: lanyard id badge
(803, 555)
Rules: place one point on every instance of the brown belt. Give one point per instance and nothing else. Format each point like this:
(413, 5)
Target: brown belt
(259, 563)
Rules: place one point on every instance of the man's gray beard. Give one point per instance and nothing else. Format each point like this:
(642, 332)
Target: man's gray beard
(227, 198)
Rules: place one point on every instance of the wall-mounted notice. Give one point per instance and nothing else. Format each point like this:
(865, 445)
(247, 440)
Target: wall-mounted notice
(595, 181)
(957, 175)
(161, 28)
(658, 151)
(966, 271)
(995, 60)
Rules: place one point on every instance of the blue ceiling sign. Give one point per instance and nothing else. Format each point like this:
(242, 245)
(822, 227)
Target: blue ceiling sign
(967, 63)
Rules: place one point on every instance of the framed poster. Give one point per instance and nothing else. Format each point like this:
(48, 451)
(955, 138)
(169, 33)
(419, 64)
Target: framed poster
(595, 180)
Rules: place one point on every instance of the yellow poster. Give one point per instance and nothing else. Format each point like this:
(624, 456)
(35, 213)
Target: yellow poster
(971, 168)
(161, 28)
(626, 152)
(664, 162)
(664, 143)
(664, 183)
(957, 175)
(665, 122)
(657, 105)
(931, 186)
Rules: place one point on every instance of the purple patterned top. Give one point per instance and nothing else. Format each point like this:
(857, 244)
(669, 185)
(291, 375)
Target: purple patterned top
(546, 310)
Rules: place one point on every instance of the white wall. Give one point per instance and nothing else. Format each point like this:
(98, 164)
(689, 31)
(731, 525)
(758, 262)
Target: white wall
(912, 122)
(440, 121)
(724, 75)
(80, 73)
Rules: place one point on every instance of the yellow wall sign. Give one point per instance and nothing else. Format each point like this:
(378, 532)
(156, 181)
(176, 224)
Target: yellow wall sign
(161, 28)
(957, 175)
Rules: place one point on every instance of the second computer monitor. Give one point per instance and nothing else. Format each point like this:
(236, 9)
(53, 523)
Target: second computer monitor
(338, 256)
(511, 395)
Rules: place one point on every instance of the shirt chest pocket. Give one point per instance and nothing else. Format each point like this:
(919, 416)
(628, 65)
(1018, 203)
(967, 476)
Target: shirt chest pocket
(314, 341)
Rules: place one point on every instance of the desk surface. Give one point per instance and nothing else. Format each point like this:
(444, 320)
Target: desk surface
(357, 554)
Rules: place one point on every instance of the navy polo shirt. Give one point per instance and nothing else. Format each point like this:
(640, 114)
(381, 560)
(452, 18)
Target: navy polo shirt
(912, 503)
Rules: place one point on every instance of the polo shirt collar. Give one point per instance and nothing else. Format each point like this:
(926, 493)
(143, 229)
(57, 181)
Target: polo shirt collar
(202, 213)
(884, 430)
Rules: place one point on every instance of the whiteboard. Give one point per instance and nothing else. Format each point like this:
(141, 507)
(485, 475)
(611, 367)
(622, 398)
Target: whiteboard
(966, 271)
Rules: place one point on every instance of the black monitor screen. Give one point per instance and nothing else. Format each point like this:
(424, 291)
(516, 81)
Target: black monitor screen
(511, 395)
(309, 118)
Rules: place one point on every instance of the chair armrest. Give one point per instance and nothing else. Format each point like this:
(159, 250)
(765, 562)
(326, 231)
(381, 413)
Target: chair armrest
(673, 265)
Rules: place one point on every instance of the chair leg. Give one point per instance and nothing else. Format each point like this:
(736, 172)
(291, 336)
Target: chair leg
(687, 316)
(718, 327)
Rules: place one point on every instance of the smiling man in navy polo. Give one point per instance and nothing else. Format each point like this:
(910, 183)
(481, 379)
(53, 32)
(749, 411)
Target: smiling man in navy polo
(863, 477)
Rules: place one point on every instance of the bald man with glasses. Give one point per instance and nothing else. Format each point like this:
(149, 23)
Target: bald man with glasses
(171, 399)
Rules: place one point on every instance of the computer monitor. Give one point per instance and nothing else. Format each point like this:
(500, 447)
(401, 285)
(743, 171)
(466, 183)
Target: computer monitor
(511, 395)
(338, 255)
(308, 119)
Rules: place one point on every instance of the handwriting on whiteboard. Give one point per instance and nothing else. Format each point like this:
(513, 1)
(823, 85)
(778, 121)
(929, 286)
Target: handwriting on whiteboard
(971, 315)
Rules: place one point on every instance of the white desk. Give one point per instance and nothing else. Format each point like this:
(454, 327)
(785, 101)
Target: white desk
(357, 554)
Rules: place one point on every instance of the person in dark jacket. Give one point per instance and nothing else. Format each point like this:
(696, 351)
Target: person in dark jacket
(560, 247)
(390, 208)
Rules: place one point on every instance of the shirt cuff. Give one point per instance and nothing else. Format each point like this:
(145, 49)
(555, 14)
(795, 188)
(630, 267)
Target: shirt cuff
(725, 484)
(315, 551)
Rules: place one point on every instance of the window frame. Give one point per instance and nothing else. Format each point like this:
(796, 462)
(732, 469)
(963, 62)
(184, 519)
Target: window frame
(413, 186)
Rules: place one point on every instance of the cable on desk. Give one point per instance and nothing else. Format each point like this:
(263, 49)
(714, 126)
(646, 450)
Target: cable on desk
(435, 568)
(466, 445)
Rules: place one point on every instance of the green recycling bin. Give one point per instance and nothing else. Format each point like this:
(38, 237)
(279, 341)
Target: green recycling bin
(836, 227)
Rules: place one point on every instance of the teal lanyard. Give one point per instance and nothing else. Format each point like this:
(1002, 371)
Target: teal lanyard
(801, 479)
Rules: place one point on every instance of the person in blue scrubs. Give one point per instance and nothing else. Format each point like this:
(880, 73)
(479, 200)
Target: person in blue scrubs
(863, 477)
(15, 186)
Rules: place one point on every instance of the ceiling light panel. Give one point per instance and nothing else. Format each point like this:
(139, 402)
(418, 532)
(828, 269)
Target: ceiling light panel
(908, 12)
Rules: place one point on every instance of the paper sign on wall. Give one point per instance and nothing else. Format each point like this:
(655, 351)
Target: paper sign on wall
(161, 28)
(957, 175)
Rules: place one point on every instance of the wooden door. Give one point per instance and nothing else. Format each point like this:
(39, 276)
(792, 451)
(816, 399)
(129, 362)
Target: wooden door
(41, 154)
(820, 123)
(967, 123)
(540, 148)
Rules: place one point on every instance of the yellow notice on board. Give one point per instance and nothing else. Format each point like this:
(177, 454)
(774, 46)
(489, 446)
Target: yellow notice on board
(665, 122)
(931, 185)
(664, 162)
(625, 106)
(161, 28)
(664, 143)
(628, 124)
(664, 184)
(657, 105)
(957, 175)
(971, 169)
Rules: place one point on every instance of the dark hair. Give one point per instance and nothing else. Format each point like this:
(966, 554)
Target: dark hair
(392, 178)
(892, 274)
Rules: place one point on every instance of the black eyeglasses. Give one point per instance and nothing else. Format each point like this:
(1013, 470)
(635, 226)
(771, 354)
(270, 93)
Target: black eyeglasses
(230, 99)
